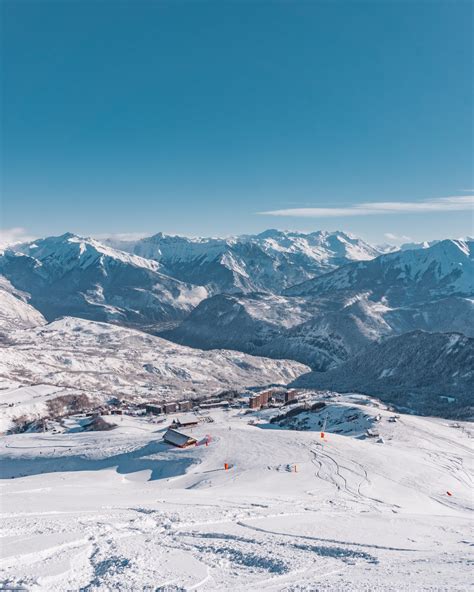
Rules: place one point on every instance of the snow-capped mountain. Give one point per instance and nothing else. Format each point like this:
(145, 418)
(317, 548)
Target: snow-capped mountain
(269, 261)
(70, 275)
(324, 321)
(426, 373)
(321, 322)
(404, 277)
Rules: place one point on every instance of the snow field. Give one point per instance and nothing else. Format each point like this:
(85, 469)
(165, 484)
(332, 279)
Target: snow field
(121, 510)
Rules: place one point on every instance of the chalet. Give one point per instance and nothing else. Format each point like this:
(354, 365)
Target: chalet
(170, 407)
(178, 439)
(154, 409)
(185, 406)
(176, 423)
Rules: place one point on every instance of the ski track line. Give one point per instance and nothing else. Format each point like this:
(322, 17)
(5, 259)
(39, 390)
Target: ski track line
(332, 541)
(32, 557)
(357, 496)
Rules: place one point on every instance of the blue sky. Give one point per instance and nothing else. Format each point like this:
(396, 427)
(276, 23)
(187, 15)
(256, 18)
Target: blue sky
(218, 118)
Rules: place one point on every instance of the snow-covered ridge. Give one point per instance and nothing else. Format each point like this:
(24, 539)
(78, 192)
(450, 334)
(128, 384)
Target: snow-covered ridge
(69, 251)
(103, 360)
(444, 269)
(323, 321)
(70, 275)
(269, 261)
(427, 373)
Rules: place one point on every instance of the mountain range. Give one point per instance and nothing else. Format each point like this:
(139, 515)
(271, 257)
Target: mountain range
(71, 275)
(323, 321)
(270, 261)
(320, 299)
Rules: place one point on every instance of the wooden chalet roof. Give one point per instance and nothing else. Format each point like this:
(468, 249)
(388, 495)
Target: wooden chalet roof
(177, 438)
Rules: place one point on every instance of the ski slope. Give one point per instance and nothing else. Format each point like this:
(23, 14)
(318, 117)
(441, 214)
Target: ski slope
(121, 510)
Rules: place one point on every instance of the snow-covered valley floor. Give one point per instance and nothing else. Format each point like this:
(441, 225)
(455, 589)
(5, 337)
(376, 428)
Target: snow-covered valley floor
(121, 510)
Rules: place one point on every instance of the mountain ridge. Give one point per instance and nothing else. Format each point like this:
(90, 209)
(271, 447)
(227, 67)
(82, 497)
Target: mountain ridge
(390, 370)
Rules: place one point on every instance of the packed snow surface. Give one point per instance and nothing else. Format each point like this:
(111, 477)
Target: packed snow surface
(122, 510)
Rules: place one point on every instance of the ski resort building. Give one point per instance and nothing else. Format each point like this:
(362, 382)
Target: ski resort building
(170, 407)
(255, 402)
(212, 404)
(291, 396)
(176, 423)
(185, 406)
(154, 409)
(178, 439)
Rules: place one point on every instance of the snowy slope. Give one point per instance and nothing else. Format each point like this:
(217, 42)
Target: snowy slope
(427, 373)
(70, 275)
(270, 261)
(15, 311)
(320, 332)
(358, 514)
(102, 360)
(405, 277)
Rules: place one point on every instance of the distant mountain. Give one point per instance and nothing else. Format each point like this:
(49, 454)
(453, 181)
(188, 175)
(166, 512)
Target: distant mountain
(402, 278)
(425, 373)
(15, 311)
(238, 299)
(270, 261)
(421, 245)
(242, 322)
(71, 275)
(319, 332)
(324, 321)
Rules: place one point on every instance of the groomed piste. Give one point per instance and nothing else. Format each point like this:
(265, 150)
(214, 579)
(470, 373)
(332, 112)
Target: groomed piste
(381, 502)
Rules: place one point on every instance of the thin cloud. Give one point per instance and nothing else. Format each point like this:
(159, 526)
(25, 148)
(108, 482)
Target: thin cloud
(399, 238)
(456, 203)
(122, 236)
(12, 236)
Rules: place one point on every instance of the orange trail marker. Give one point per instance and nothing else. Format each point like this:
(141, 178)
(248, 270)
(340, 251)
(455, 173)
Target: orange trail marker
(322, 435)
(226, 466)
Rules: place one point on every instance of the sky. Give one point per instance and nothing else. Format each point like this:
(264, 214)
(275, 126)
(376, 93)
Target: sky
(219, 118)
